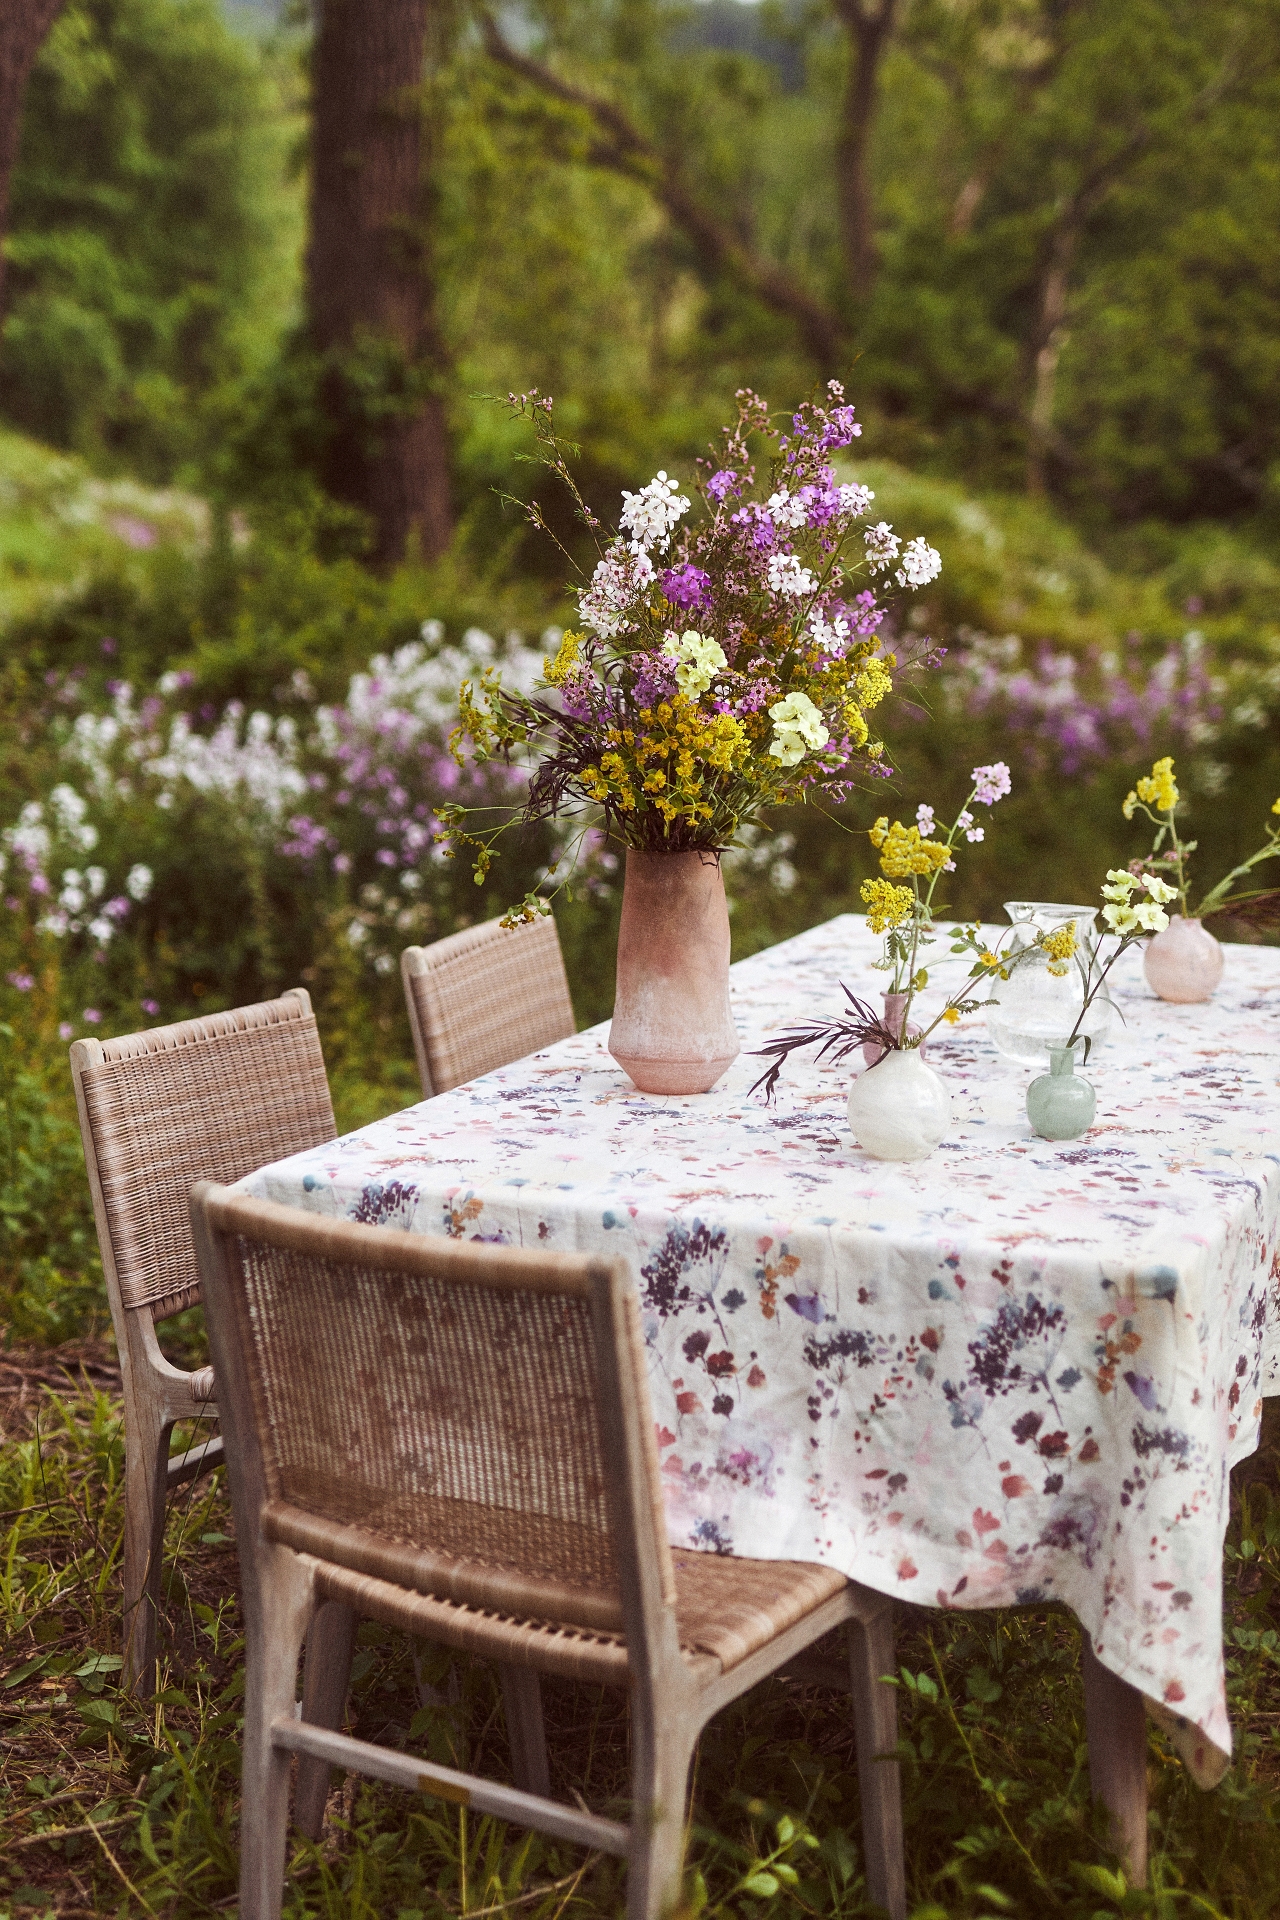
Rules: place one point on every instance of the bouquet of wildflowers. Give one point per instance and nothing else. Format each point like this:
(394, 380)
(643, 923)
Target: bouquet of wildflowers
(1157, 796)
(725, 664)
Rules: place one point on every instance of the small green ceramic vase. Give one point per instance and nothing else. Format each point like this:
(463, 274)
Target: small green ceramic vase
(1059, 1106)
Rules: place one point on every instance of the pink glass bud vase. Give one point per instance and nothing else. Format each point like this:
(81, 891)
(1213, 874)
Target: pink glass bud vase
(672, 1028)
(893, 1006)
(1184, 963)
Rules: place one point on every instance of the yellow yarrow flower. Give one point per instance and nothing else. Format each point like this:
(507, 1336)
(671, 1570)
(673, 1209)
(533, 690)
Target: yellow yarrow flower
(904, 850)
(886, 906)
(1160, 790)
(1061, 943)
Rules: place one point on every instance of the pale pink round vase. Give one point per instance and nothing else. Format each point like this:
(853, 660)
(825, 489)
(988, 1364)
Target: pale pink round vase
(1184, 962)
(893, 1005)
(672, 1028)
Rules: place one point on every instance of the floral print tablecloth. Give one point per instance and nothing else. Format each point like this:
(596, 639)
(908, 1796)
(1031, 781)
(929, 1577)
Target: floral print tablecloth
(1014, 1372)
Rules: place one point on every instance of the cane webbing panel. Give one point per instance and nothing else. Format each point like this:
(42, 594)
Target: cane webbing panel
(456, 1423)
(726, 1609)
(212, 1098)
(487, 996)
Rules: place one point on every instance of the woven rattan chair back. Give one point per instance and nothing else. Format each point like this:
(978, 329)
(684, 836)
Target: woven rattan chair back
(417, 1393)
(204, 1099)
(158, 1111)
(484, 997)
(456, 1439)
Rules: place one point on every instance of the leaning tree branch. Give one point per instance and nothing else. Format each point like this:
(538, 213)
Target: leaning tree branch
(620, 146)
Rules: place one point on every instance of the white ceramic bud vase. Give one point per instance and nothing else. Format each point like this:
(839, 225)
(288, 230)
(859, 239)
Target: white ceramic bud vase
(899, 1109)
(1184, 963)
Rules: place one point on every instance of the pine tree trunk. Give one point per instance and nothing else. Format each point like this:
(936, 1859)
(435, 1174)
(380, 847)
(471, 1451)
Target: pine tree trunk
(371, 283)
(24, 25)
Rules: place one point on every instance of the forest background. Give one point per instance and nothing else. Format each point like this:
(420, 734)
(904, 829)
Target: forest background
(266, 283)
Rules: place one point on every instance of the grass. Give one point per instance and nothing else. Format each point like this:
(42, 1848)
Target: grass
(110, 1805)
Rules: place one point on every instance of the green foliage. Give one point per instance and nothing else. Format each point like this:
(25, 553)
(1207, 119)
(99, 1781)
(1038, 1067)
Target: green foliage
(154, 237)
(995, 1780)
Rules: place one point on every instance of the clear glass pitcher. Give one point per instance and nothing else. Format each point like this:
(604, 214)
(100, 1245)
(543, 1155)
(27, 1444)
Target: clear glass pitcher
(1035, 1009)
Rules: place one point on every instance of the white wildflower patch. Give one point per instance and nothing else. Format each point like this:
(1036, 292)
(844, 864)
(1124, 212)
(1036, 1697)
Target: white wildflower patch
(786, 509)
(920, 564)
(789, 578)
(882, 545)
(651, 515)
(620, 576)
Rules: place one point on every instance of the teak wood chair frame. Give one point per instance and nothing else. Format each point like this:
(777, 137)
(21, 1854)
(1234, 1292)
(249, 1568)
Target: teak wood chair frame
(484, 997)
(458, 1393)
(212, 1097)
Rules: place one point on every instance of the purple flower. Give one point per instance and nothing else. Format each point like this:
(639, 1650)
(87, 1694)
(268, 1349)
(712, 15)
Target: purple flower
(151, 1007)
(22, 981)
(92, 1015)
(687, 586)
(720, 483)
(107, 646)
(65, 1029)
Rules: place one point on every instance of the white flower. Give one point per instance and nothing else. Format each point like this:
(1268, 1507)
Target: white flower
(1159, 890)
(1152, 916)
(620, 576)
(797, 726)
(102, 929)
(786, 510)
(971, 832)
(69, 811)
(855, 500)
(921, 563)
(650, 515)
(700, 660)
(95, 878)
(357, 933)
(788, 577)
(73, 895)
(828, 635)
(924, 819)
(138, 883)
(1120, 919)
(882, 545)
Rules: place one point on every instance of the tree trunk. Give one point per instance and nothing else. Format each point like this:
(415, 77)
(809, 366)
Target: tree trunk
(24, 25)
(370, 270)
(869, 30)
(1047, 341)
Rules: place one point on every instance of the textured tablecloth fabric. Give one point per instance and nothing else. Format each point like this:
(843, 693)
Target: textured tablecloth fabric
(1016, 1371)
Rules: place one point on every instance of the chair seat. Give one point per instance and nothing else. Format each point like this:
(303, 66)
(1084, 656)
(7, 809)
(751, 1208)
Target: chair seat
(731, 1608)
(726, 1609)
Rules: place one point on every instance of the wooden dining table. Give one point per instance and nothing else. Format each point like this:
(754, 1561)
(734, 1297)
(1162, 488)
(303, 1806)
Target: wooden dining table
(1013, 1373)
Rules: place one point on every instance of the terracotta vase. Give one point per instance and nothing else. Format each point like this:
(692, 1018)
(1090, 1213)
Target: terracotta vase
(1184, 962)
(893, 1005)
(672, 1028)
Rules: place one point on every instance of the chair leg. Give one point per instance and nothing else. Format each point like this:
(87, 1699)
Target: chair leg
(146, 1460)
(273, 1640)
(875, 1720)
(1116, 1720)
(522, 1704)
(660, 1783)
(331, 1643)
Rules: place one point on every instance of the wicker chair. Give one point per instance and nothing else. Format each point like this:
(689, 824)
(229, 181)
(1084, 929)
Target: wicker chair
(456, 1440)
(158, 1110)
(483, 997)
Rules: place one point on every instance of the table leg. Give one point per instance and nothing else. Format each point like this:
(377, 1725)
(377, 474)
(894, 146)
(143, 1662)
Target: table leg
(1117, 1729)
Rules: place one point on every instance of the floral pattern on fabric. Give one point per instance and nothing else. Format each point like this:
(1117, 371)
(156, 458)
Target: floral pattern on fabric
(1016, 1372)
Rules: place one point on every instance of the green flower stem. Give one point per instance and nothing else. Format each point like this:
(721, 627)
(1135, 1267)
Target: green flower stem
(1217, 896)
(1094, 987)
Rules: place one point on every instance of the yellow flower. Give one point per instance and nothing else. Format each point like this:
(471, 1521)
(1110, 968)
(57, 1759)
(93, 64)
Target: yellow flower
(1130, 802)
(1160, 791)
(904, 851)
(557, 671)
(1276, 807)
(951, 1015)
(886, 906)
(880, 832)
(989, 959)
(1061, 943)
